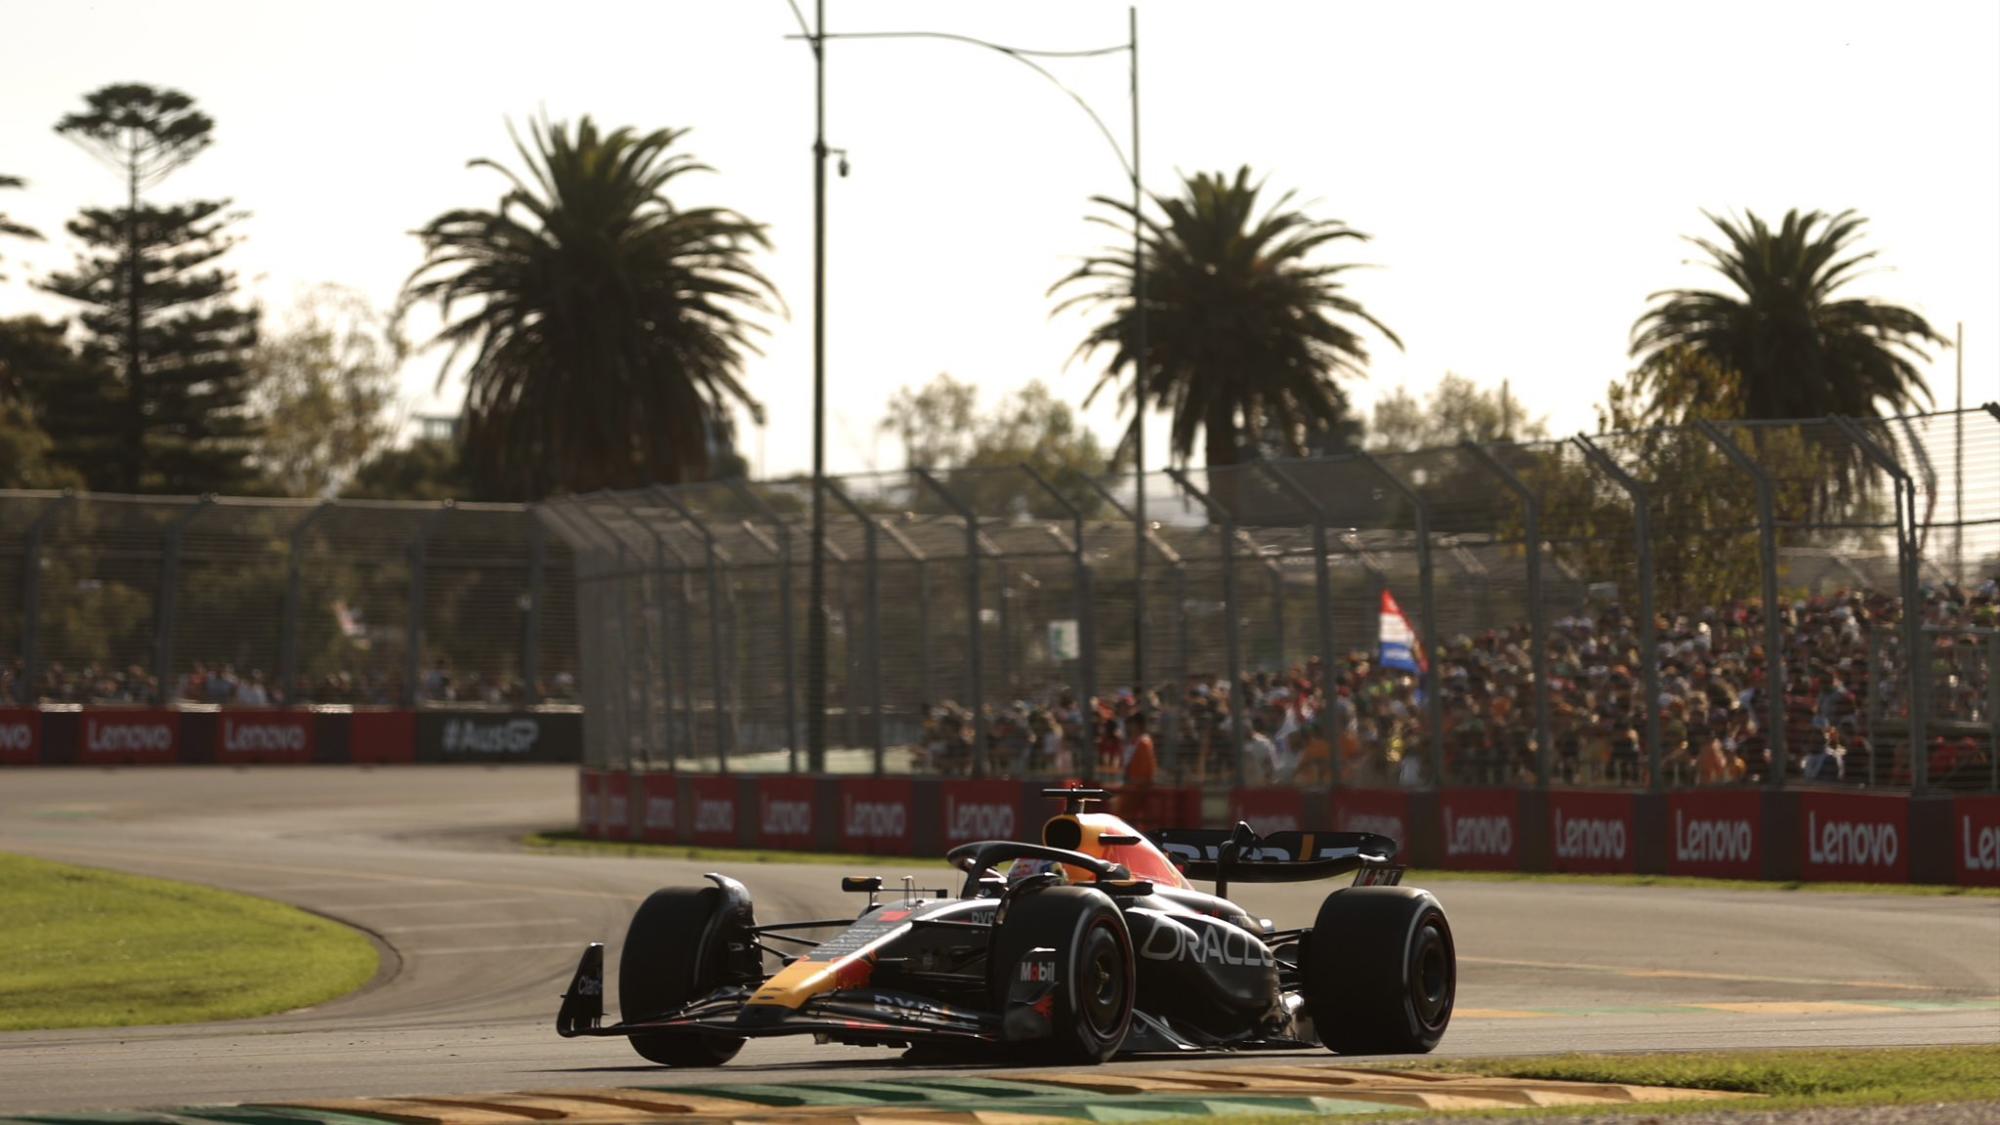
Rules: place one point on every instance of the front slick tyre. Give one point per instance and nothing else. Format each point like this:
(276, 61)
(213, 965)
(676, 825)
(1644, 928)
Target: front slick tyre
(1381, 971)
(1095, 971)
(667, 962)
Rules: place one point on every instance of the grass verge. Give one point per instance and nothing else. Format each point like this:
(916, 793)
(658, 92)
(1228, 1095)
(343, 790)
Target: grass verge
(80, 947)
(568, 841)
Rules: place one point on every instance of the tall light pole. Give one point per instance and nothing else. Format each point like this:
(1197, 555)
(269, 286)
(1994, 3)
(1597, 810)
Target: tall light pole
(817, 36)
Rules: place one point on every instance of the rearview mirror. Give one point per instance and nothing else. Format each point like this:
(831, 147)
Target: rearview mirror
(861, 884)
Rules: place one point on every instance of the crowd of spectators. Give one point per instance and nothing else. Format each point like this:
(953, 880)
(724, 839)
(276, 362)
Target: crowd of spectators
(1713, 706)
(222, 683)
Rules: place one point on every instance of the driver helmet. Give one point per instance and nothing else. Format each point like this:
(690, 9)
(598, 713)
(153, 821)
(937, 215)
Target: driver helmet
(1023, 868)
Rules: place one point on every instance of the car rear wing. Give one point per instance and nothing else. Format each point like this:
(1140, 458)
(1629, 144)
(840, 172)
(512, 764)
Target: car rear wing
(1239, 854)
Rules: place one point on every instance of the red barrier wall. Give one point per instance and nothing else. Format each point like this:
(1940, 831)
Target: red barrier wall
(878, 816)
(1854, 837)
(1482, 828)
(1716, 833)
(1593, 832)
(246, 737)
(785, 813)
(615, 807)
(1267, 810)
(980, 810)
(660, 820)
(586, 804)
(1975, 840)
(136, 737)
(1385, 812)
(711, 812)
(20, 737)
(382, 737)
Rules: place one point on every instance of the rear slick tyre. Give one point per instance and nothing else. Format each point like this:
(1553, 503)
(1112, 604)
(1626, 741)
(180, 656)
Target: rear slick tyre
(1096, 973)
(1381, 971)
(667, 962)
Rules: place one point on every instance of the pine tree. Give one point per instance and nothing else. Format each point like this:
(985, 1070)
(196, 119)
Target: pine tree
(157, 316)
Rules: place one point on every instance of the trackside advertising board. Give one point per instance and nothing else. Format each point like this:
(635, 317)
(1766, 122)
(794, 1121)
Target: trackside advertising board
(588, 798)
(382, 737)
(20, 737)
(497, 737)
(1482, 828)
(140, 737)
(980, 810)
(785, 813)
(1716, 833)
(264, 737)
(615, 805)
(711, 811)
(1269, 810)
(1854, 837)
(1975, 840)
(1385, 812)
(877, 816)
(660, 807)
(1593, 832)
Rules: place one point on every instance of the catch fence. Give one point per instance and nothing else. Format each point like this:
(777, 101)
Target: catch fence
(1589, 611)
(253, 602)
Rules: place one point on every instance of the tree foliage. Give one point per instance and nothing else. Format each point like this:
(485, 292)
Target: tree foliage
(166, 348)
(1248, 332)
(325, 383)
(605, 327)
(980, 455)
(30, 348)
(426, 469)
(8, 226)
(1457, 410)
(1783, 342)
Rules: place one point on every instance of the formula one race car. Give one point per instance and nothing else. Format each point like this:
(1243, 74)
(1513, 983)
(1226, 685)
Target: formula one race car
(1090, 945)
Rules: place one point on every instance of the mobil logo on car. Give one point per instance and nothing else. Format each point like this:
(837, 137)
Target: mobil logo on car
(1716, 833)
(980, 810)
(130, 737)
(785, 812)
(1853, 836)
(1481, 828)
(264, 736)
(20, 737)
(1592, 831)
(1975, 843)
(877, 816)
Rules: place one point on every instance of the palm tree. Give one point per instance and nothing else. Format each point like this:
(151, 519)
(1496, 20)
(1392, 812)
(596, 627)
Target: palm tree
(607, 327)
(1246, 333)
(1782, 344)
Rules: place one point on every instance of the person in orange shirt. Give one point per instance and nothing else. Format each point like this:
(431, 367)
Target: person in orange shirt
(1141, 766)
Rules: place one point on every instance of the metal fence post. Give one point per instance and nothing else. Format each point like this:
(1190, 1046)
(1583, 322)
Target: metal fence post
(1323, 611)
(164, 605)
(872, 596)
(418, 551)
(1916, 658)
(790, 659)
(1538, 625)
(531, 624)
(1993, 711)
(1086, 627)
(724, 702)
(1767, 546)
(1231, 631)
(605, 722)
(31, 593)
(1427, 597)
(621, 578)
(1642, 536)
(1177, 569)
(975, 666)
(288, 628)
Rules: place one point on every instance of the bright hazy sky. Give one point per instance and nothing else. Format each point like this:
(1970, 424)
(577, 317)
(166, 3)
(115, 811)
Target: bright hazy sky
(1526, 169)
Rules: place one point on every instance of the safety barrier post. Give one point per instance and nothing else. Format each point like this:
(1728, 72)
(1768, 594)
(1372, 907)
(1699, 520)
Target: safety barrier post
(723, 704)
(1767, 546)
(975, 670)
(163, 606)
(1322, 605)
(1538, 624)
(1433, 697)
(1916, 660)
(1642, 537)
(1086, 626)
(31, 592)
(790, 660)
(288, 628)
(872, 596)
(1231, 640)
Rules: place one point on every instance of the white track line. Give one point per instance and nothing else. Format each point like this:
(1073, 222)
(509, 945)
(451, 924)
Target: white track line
(478, 925)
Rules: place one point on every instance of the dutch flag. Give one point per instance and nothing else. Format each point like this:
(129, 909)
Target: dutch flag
(1399, 645)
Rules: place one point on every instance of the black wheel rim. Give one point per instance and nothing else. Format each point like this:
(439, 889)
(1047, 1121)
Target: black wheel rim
(1101, 984)
(1431, 975)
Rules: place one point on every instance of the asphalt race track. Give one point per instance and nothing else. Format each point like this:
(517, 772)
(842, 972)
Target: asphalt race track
(483, 936)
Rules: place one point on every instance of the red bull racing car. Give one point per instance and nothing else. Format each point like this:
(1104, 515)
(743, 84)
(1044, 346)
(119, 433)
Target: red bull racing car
(1089, 944)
